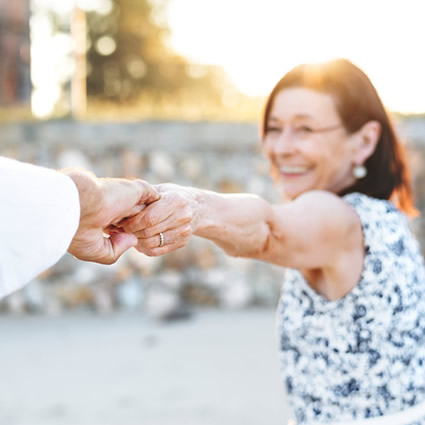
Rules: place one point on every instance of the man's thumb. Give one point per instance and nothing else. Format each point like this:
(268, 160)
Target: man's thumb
(121, 242)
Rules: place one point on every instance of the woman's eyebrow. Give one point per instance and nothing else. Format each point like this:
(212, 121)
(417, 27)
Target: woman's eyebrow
(298, 116)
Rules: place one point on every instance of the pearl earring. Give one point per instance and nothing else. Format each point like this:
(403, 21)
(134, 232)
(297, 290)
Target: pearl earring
(359, 172)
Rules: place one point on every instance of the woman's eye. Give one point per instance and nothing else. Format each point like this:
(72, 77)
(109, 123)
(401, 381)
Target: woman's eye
(273, 130)
(304, 129)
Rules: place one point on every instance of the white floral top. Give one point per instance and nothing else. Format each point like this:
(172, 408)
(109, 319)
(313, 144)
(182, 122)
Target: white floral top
(363, 355)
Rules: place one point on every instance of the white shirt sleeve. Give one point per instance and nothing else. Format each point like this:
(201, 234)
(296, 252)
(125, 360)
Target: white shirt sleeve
(39, 215)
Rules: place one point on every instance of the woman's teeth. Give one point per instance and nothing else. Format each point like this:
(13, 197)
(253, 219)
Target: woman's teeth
(293, 170)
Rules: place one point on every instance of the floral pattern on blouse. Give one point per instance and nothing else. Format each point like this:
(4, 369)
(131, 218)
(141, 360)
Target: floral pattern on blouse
(363, 355)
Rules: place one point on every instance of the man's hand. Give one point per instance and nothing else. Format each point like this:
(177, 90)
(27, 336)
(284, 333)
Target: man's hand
(104, 203)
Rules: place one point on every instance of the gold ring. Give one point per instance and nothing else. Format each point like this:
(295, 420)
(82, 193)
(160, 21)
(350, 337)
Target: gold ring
(161, 239)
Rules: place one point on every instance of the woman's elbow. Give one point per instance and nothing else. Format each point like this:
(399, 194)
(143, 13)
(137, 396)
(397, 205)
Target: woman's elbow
(257, 247)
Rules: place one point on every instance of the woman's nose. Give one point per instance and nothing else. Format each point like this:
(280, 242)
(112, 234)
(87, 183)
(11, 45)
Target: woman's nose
(285, 143)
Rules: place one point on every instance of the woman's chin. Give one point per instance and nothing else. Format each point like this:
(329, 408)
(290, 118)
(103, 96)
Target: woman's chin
(290, 192)
(290, 189)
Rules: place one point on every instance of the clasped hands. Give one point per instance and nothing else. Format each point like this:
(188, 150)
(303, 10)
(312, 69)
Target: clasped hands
(117, 214)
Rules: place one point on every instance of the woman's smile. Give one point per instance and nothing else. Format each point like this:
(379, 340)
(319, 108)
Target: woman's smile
(292, 171)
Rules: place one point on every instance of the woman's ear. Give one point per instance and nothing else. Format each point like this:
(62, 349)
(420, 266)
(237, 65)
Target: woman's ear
(367, 139)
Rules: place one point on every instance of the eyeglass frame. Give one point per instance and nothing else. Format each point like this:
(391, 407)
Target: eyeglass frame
(311, 131)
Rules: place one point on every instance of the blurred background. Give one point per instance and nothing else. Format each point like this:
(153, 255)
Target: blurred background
(170, 90)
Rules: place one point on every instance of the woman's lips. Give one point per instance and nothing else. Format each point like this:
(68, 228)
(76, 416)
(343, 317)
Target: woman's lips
(293, 171)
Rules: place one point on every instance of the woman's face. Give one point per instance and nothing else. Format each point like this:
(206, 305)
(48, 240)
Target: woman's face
(306, 143)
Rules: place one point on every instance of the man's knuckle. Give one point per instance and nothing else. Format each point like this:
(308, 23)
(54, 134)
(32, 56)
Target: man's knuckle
(181, 202)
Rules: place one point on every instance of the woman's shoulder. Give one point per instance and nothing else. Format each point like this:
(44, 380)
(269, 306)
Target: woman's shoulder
(368, 203)
(374, 210)
(382, 222)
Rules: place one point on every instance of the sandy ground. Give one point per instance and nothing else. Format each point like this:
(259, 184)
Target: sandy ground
(217, 368)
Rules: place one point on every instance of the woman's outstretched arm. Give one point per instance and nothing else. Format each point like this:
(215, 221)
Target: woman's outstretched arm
(313, 231)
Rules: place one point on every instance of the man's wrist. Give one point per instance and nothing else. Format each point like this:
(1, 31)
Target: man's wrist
(88, 189)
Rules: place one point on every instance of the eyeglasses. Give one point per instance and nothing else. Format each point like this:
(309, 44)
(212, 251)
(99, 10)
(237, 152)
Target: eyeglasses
(299, 131)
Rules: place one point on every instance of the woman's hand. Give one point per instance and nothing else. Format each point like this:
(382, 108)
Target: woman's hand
(172, 216)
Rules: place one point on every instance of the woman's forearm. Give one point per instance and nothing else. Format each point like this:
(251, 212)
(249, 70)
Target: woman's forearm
(238, 223)
(243, 225)
(246, 225)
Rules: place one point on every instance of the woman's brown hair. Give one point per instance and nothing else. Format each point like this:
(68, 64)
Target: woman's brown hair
(357, 102)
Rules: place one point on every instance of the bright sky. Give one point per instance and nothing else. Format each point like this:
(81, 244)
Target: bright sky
(257, 41)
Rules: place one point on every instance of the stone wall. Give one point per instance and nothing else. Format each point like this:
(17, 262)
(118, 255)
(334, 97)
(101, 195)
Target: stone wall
(220, 156)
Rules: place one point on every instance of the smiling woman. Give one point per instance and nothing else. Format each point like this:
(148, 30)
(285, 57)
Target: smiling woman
(338, 155)
(351, 325)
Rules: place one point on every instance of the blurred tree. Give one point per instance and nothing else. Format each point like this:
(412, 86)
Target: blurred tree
(128, 59)
(113, 56)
